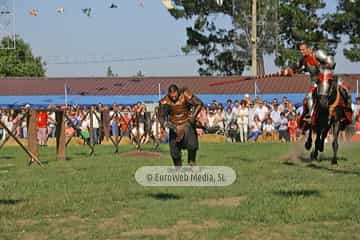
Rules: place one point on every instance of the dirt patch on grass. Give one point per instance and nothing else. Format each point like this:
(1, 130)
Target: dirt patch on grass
(111, 223)
(34, 236)
(225, 202)
(295, 153)
(182, 225)
(140, 154)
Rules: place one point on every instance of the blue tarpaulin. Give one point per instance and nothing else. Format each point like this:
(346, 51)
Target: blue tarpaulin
(45, 100)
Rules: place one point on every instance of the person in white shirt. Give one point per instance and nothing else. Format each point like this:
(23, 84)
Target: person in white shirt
(261, 111)
(243, 121)
(96, 124)
(275, 116)
(268, 127)
(283, 129)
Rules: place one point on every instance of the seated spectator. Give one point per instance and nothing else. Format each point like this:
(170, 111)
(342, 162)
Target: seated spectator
(268, 128)
(283, 129)
(213, 126)
(255, 128)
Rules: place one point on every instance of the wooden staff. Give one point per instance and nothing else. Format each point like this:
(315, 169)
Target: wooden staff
(246, 79)
(33, 158)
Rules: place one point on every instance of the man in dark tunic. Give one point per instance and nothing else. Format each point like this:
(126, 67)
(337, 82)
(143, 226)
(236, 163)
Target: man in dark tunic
(178, 111)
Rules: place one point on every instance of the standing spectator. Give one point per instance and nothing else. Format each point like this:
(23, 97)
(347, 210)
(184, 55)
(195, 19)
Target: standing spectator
(283, 103)
(96, 124)
(236, 107)
(42, 120)
(275, 116)
(261, 110)
(356, 108)
(255, 128)
(247, 100)
(4, 119)
(251, 112)
(85, 127)
(229, 103)
(292, 125)
(229, 120)
(243, 121)
(125, 123)
(273, 103)
(51, 124)
(220, 118)
(283, 129)
(1, 128)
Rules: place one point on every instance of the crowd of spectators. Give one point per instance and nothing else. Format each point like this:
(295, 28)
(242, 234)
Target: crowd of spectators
(239, 120)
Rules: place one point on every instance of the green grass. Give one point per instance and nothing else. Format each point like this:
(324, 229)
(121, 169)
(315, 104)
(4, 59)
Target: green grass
(98, 198)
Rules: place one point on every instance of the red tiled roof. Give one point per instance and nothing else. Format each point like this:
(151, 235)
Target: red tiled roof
(150, 85)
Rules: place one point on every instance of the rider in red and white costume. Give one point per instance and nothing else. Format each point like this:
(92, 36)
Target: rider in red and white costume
(318, 64)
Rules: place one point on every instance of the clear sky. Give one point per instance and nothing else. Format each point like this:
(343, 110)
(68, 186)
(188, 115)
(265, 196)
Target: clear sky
(127, 32)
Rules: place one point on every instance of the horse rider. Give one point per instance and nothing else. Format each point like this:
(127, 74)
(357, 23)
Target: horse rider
(317, 63)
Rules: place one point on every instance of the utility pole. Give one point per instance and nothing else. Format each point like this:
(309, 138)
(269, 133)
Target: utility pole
(253, 39)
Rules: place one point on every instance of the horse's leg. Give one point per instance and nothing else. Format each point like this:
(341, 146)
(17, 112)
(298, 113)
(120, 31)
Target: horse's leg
(324, 134)
(315, 152)
(335, 143)
(308, 142)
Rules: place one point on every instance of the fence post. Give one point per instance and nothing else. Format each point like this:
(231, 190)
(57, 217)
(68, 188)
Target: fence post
(60, 136)
(32, 133)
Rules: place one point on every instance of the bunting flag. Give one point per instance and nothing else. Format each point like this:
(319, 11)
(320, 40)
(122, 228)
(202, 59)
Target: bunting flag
(87, 11)
(113, 6)
(34, 12)
(60, 10)
(168, 4)
(140, 4)
(220, 2)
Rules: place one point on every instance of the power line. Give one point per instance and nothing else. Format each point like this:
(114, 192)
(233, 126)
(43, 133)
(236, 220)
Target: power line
(102, 60)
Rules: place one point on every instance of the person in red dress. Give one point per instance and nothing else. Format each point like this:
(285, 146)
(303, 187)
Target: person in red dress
(42, 119)
(292, 126)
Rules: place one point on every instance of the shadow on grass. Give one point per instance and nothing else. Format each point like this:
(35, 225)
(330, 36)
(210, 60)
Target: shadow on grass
(320, 159)
(6, 157)
(339, 171)
(10, 201)
(288, 163)
(164, 196)
(297, 193)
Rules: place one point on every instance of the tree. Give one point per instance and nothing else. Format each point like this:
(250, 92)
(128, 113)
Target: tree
(346, 21)
(109, 72)
(139, 74)
(19, 62)
(226, 51)
(300, 22)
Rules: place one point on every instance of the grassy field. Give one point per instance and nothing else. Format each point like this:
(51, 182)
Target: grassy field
(276, 196)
